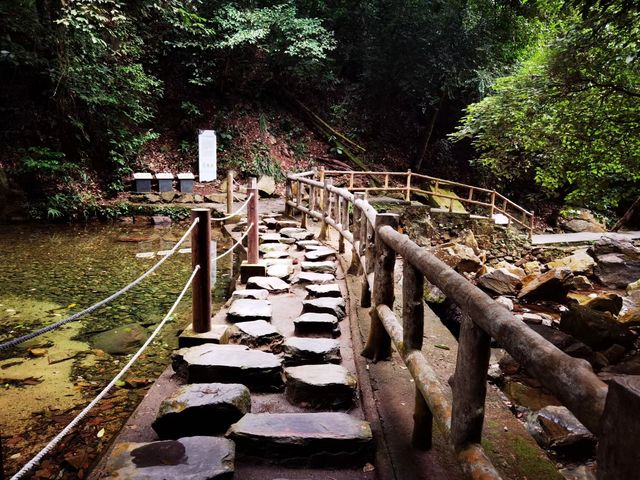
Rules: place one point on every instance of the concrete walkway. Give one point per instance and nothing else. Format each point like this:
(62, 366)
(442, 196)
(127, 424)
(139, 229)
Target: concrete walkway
(583, 237)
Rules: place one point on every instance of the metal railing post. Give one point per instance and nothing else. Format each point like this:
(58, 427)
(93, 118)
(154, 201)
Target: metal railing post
(252, 223)
(229, 192)
(201, 255)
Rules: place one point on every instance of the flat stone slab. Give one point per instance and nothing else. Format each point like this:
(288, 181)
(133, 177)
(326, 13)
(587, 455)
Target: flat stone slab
(280, 270)
(276, 254)
(303, 244)
(253, 294)
(313, 439)
(320, 386)
(245, 309)
(193, 458)
(189, 338)
(282, 224)
(201, 409)
(271, 284)
(326, 290)
(287, 241)
(332, 306)
(273, 247)
(307, 351)
(313, 277)
(260, 371)
(270, 238)
(297, 233)
(257, 334)
(319, 253)
(317, 323)
(318, 267)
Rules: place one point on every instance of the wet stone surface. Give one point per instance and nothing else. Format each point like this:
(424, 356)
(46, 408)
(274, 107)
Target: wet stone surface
(201, 409)
(325, 386)
(327, 290)
(245, 309)
(312, 277)
(317, 324)
(257, 334)
(327, 266)
(193, 458)
(305, 351)
(260, 371)
(332, 306)
(313, 439)
(271, 284)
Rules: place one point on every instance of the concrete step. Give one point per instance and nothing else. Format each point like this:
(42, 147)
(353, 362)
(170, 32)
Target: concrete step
(314, 278)
(327, 266)
(326, 290)
(304, 439)
(306, 351)
(193, 458)
(201, 409)
(317, 324)
(332, 306)
(324, 386)
(271, 284)
(260, 371)
(247, 309)
(257, 334)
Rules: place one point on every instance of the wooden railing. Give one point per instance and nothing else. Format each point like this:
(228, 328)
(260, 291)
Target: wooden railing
(609, 411)
(408, 183)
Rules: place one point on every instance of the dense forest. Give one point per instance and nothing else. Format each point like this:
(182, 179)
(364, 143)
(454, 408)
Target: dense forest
(538, 98)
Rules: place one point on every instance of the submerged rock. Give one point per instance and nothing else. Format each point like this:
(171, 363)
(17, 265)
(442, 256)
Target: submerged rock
(121, 340)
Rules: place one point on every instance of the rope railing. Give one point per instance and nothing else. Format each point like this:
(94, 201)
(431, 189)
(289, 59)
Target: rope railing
(95, 306)
(233, 247)
(52, 444)
(240, 208)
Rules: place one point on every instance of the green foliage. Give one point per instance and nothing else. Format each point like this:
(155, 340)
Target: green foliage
(569, 116)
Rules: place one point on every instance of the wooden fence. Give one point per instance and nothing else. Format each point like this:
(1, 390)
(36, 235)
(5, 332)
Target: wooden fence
(609, 411)
(410, 184)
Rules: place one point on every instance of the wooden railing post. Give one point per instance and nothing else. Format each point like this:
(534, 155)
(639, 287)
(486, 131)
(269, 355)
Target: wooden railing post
(413, 331)
(325, 198)
(351, 177)
(469, 384)
(252, 223)
(340, 207)
(288, 196)
(618, 455)
(356, 267)
(229, 192)
(407, 196)
(321, 192)
(201, 285)
(379, 343)
(493, 203)
(303, 216)
(367, 238)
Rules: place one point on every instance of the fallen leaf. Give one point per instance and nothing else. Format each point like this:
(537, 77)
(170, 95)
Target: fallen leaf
(71, 305)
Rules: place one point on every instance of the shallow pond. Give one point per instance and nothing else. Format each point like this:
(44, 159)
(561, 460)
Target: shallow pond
(50, 272)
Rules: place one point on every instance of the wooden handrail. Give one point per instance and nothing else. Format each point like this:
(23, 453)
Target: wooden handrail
(571, 380)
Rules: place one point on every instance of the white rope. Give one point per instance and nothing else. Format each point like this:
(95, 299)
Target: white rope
(36, 459)
(95, 306)
(235, 244)
(220, 219)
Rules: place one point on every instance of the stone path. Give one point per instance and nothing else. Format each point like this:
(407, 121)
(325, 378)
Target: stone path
(271, 386)
(583, 237)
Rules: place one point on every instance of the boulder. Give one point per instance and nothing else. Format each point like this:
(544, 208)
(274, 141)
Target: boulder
(532, 268)
(500, 281)
(633, 287)
(167, 197)
(557, 428)
(121, 340)
(631, 316)
(606, 302)
(201, 409)
(580, 282)
(597, 329)
(517, 271)
(266, 186)
(617, 261)
(256, 334)
(580, 220)
(552, 285)
(580, 262)
(459, 257)
(563, 341)
(505, 302)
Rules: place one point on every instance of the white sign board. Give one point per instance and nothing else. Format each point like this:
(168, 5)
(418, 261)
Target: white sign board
(207, 155)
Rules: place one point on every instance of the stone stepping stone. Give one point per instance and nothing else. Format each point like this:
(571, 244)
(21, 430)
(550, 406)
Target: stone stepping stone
(260, 371)
(270, 222)
(297, 234)
(316, 324)
(270, 237)
(332, 306)
(254, 294)
(280, 270)
(275, 255)
(320, 253)
(257, 334)
(312, 277)
(303, 244)
(310, 248)
(326, 290)
(320, 386)
(281, 224)
(304, 439)
(189, 338)
(273, 247)
(193, 458)
(272, 284)
(319, 267)
(245, 309)
(304, 351)
(287, 241)
(262, 228)
(201, 409)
